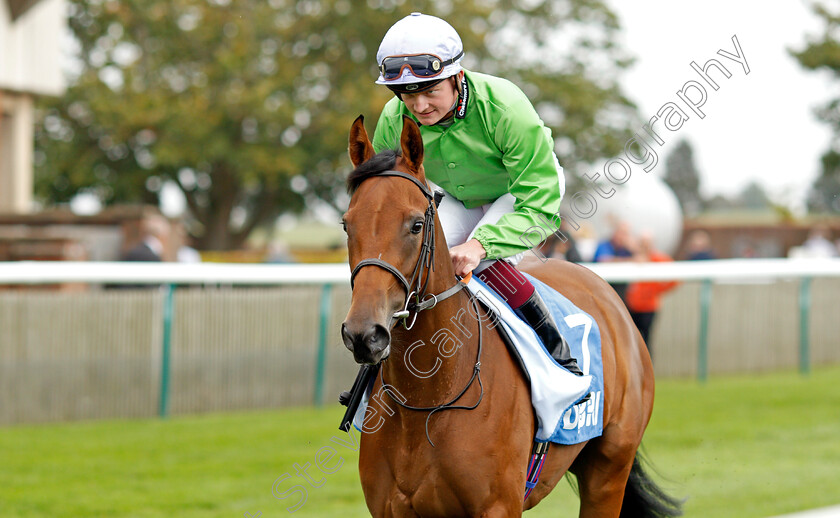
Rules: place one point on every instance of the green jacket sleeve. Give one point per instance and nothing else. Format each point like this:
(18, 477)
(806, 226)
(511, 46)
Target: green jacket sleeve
(535, 180)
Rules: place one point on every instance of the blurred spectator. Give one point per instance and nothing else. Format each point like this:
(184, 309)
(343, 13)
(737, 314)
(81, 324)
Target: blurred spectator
(699, 247)
(745, 249)
(818, 243)
(279, 253)
(154, 231)
(557, 247)
(619, 247)
(185, 253)
(643, 298)
(188, 254)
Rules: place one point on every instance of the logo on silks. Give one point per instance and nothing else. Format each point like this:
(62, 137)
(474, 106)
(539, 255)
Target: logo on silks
(461, 110)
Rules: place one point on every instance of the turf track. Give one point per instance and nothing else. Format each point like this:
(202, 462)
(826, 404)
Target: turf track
(740, 447)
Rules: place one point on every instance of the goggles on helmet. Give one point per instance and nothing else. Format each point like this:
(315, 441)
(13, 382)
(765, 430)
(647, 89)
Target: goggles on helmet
(421, 65)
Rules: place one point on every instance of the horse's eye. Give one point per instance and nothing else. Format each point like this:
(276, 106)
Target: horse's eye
(344, 225)
(417, 227)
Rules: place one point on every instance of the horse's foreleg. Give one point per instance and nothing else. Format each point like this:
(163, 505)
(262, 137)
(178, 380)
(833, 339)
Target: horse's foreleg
(503, 510)
(557, 462)
(398, 506)
(602, 472)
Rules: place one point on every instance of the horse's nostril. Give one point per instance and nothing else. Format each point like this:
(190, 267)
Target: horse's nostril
(378, 337)
(368, 343)
(345, 337)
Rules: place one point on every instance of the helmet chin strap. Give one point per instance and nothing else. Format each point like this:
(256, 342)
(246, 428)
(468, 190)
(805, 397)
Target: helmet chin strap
(452, 110)
(448, 117)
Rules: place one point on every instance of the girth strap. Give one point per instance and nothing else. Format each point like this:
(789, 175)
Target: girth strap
(535, 465)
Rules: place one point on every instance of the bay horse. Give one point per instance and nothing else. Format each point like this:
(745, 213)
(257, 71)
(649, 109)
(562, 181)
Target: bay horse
(455, 424)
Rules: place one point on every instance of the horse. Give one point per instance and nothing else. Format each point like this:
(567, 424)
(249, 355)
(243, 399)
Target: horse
(451, 422)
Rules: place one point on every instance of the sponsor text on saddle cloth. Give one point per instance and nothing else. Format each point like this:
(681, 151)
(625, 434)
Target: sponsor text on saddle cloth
(554, 390)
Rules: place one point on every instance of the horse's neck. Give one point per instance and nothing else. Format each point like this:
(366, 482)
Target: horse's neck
(436, 358)
(433, 362)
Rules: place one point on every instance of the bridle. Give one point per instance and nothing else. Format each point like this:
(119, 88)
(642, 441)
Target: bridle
(416, 299)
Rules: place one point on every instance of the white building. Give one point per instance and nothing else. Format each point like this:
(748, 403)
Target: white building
(31, 33)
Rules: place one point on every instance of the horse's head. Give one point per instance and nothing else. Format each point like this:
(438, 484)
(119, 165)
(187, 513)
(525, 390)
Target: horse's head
(390, 238)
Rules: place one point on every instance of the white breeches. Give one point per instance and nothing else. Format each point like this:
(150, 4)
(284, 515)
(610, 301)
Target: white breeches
(459, 223)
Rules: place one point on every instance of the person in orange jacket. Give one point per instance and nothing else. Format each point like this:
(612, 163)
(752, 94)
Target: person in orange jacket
(643, 298)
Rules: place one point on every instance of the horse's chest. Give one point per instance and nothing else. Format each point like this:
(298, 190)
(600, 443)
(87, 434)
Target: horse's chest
(434, 484)
(435, 493)
(478, 459)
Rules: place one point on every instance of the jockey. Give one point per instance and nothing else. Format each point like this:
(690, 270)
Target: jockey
(487, 148)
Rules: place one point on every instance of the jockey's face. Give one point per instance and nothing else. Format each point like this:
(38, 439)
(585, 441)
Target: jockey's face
(434, 104)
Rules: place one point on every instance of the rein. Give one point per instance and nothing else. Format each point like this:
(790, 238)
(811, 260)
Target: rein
(476, 375)
(417, 301)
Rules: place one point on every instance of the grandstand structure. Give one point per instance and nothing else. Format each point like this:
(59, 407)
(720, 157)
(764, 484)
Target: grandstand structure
(31, 33)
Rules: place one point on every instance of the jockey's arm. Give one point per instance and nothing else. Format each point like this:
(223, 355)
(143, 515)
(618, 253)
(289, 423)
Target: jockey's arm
(536, 182)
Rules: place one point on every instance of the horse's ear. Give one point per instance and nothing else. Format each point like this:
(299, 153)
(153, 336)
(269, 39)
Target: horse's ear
(361, 150)
(411, 143)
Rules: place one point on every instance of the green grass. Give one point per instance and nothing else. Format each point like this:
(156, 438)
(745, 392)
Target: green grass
(737, 447)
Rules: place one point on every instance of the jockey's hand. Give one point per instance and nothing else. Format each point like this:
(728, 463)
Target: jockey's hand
(466, 257)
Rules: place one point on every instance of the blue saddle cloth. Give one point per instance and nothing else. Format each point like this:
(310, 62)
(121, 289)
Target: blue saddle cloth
(554, 390)
(583, 421)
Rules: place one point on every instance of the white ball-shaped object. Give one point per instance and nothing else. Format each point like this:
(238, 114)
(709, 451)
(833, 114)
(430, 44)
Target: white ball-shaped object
(644, 202)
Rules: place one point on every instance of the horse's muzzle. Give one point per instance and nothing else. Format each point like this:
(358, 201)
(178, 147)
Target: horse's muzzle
(370, 344)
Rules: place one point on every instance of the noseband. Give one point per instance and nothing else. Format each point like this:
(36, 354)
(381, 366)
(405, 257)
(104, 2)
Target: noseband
(416, 299)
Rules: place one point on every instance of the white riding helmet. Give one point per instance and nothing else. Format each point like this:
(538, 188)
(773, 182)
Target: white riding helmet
(418, 49)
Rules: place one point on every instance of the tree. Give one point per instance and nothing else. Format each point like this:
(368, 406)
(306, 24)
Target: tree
(682, 176)
(754, 197)
(823, 53)
(824, 195)
(246, 104)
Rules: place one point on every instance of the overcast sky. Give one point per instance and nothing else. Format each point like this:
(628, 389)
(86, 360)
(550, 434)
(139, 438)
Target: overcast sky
(757, 126)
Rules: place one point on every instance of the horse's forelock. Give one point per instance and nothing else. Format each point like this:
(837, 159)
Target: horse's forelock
(384, 161)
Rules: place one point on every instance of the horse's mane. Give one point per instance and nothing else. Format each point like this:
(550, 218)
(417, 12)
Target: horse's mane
(380, 162)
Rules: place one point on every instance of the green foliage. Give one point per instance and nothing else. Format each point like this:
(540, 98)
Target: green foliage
(246, 104)
(754, 197)
(740, 447)
(825, 193)
(823, 53)
(682, 177)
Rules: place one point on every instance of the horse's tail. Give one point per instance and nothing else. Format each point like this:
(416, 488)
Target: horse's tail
(643, 498)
